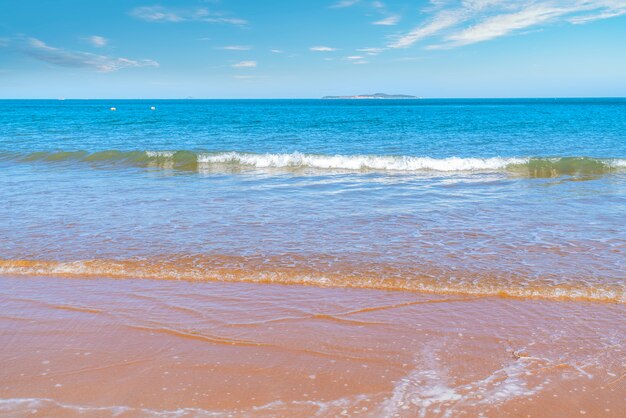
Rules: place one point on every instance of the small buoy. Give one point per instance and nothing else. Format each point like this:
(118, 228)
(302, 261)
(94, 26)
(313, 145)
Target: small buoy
(152, 108)
(113, 108)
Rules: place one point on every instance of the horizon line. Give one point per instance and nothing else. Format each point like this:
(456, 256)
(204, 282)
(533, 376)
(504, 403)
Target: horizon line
(322, 98)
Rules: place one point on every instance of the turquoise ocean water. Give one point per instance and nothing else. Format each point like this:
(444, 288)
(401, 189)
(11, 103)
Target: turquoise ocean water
(521, 197)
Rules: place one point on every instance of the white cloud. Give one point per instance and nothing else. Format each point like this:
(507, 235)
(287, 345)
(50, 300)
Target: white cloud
(245, 64)
(380, 8)
(371, 51)
(39, 50)
(162, 14)
(322, 49)
(344, 3)
(388, 21)
(236, 48)
(403, 59)
(442, 21)
(156, 14)
(504, 24)
(463, 22)
(355, 57)
(98, 41)
(578, 20)
(360, 62)
(229, 20)
(277, 51)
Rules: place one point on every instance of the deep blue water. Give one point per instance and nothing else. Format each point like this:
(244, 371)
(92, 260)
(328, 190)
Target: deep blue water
(433, 128)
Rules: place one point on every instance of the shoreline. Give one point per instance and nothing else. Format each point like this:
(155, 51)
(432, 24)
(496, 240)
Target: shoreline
(233, 269)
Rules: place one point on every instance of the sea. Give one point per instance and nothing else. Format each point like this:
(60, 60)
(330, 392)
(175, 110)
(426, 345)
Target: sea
(519, 197)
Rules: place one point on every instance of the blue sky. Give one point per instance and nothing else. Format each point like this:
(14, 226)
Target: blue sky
(311, 48)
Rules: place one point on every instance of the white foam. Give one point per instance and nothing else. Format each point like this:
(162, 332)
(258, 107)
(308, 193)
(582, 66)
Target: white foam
(427, 390)
(160, 154)
(618, 163)
(359, 162)
(21, 406)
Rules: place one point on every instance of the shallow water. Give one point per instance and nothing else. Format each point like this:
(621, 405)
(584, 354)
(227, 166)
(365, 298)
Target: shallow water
(516, 197)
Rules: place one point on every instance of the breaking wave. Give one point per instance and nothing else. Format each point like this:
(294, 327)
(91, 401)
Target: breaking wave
(199, 161)
(361, 275)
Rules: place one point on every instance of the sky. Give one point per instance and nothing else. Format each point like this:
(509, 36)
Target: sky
(311, 48)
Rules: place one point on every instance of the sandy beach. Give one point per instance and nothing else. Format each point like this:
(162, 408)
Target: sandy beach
(104, 347)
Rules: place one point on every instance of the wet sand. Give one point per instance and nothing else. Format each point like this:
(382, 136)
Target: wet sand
(105, 347)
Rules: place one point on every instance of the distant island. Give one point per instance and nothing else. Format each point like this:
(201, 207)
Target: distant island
(373, 96)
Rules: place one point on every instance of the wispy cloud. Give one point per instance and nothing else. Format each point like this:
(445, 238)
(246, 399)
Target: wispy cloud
(39, 50)
(322, 49)
(388, 21)
(405, 59)
(235, 48)
(463, 22)
(386, 17)
(163, 14)
(277, 51)
(503, 24)
(97, 41)
(245, 64)
(344, 3)
(156, 14)
(371, 51)
(441, 21)
(606, 14)
(355, 57)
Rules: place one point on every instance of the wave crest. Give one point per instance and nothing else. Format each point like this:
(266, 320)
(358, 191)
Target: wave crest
(244, 269)
(200, 161)
(359, 162)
